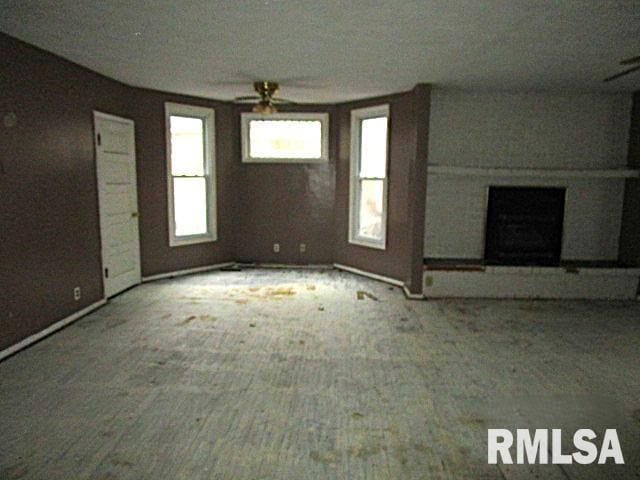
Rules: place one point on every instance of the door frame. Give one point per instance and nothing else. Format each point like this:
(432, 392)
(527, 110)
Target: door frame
(98, 115)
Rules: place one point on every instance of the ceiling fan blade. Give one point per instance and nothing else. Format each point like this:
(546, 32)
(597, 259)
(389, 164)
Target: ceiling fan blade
(623, 73)
(284, 101)
(246, 99)
(630, 61)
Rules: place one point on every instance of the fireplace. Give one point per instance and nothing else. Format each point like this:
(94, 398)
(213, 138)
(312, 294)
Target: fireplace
(524, 226)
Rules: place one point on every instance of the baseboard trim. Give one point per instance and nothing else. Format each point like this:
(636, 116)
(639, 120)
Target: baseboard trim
(382, 278)
(292, 266)
(7, 352)
(411, 296)
(188, 271)
(364, 273)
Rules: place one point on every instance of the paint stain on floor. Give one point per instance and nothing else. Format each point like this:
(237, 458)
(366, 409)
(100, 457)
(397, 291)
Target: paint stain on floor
(243, 297)
(279, 292)
(473, 422)
(201, 318)
(361, 294)
(329, 457)
(188, 320)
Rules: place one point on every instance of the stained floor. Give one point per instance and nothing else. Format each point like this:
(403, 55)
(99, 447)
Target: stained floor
(291, 374)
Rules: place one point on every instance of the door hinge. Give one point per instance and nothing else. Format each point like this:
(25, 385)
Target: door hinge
(106, 273)
(99, 140)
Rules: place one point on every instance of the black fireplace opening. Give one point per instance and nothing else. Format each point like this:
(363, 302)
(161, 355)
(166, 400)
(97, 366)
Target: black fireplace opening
(524, 226)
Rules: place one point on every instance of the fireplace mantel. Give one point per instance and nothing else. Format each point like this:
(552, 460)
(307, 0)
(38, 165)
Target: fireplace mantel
(532, 172)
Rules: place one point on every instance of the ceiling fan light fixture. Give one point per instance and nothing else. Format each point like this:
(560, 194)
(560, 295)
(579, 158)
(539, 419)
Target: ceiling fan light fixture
(264, 107)
(265, 100)
(266, 88)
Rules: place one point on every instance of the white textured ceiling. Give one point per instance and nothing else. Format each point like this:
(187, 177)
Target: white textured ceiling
(331, 50)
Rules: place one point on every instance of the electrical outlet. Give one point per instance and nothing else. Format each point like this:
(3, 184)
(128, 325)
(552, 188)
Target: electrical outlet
(77, 294)
(428, 281)
(303, 247)
(276, 247)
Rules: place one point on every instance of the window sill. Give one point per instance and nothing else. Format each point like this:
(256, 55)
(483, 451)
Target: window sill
(181, 241)
(370, 243)
(284, 160)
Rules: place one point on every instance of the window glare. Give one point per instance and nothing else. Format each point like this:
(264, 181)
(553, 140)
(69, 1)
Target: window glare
(373, 147)
(285, 139)
(190, 206)
(371, 207)
(187, 146)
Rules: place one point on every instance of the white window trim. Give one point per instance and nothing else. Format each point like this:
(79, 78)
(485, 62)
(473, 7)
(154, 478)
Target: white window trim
(208, 115)
(244, 135)
(356, 120)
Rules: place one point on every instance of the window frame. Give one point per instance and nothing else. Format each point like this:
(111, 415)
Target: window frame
(247, 117)
(207, 115)
(355, 179)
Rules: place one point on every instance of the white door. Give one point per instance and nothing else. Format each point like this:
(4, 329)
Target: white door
(118, 197)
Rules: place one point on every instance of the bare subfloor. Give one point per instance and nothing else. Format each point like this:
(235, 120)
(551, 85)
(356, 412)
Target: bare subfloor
(266, 374)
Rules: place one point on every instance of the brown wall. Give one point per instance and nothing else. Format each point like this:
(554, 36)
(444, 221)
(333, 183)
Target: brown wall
(50, 240)
(408, 135)
(157, 256)
(418, 189)
(49, 227)
(630, 231)
(286, 204)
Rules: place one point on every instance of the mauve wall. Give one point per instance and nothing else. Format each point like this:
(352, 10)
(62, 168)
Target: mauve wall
(418, 188)
(49, 230)
(406, 200)
(286, 204)
(630, 231)
(151, 146)
(49, 226)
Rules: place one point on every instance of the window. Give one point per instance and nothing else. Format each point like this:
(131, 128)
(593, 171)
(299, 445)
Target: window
(285, 137)
(368, 186)
(190, 174)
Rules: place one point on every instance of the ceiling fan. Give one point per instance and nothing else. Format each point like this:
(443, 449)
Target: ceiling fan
(266, 100)
(628, 61)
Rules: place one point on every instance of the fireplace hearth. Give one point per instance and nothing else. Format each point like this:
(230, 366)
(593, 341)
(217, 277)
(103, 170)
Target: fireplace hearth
(524, 226)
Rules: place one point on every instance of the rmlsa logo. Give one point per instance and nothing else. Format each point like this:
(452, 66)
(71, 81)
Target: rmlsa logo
(536, 450)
